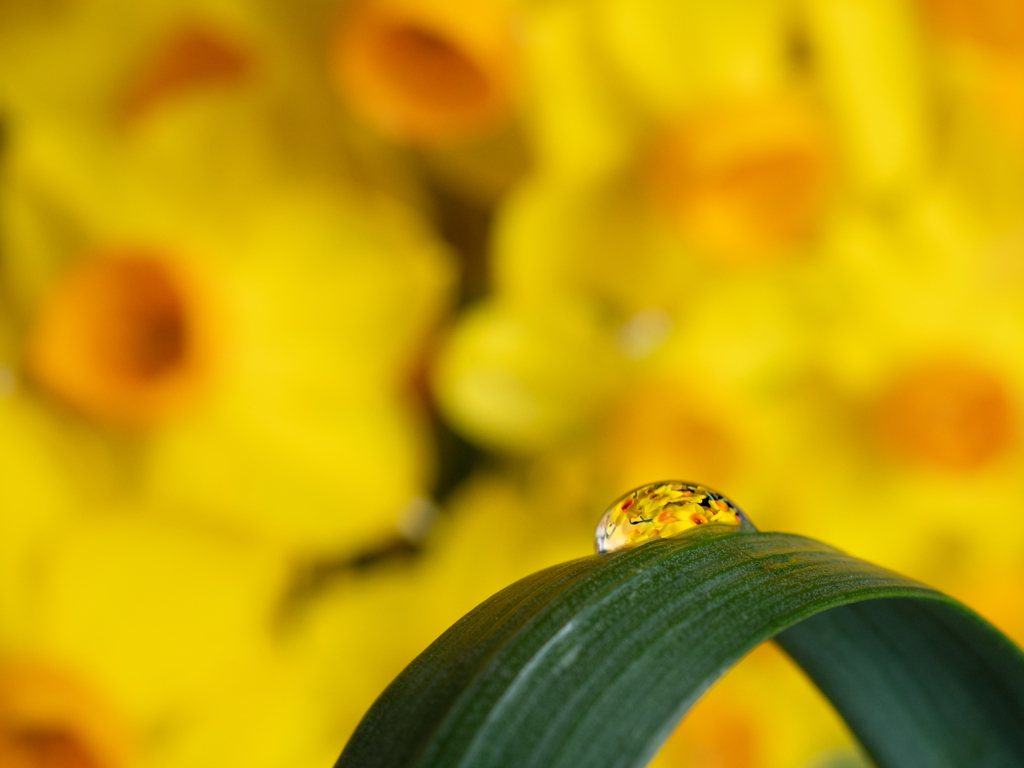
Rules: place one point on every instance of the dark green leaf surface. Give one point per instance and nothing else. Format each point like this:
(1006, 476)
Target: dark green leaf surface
(593, 662)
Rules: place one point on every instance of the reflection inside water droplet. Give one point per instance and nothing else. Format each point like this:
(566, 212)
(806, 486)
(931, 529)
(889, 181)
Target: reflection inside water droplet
(663, 509)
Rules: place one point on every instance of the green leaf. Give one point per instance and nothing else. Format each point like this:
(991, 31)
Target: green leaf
(594, 662)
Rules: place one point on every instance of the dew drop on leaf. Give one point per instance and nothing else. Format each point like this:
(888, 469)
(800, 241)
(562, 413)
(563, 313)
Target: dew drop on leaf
(662, 509)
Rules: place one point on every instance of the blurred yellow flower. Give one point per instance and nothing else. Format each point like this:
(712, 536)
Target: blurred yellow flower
(251, 375)
(312, 416)
(520, 378)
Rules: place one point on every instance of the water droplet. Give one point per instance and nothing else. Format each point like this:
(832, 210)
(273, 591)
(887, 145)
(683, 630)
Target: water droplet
(662, 509)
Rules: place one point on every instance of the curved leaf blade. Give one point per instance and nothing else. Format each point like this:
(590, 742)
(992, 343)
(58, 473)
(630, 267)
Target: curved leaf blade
(593, 662)
(877, 660)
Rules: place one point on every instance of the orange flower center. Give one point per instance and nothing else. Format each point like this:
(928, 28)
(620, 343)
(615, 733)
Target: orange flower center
(743, 181)
(947, 415)
(425, 74)
(194, 57)
(119, 338)
(429, 70)
(44, 749)
(48, 720)
(994, 24)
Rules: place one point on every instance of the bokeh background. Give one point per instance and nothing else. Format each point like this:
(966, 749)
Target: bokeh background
(321, 321)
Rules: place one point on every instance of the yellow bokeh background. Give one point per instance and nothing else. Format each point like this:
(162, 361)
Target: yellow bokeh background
(322, 321)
